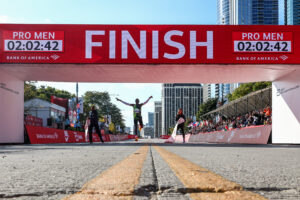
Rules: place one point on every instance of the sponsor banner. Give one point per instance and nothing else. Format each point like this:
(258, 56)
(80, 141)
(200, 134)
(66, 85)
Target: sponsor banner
(132, 136)
(149, 44)
(42, 135)
(249, 135)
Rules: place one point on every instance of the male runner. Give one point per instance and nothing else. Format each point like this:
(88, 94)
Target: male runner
(137, 112)
(94, 123)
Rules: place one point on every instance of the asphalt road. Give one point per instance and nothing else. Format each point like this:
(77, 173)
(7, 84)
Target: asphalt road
(59, 170)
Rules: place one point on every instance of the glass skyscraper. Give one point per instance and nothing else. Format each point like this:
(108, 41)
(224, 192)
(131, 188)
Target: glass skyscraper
(292, 12)
(223, 12)
(248, 12)
(265, 12)
(241, 12)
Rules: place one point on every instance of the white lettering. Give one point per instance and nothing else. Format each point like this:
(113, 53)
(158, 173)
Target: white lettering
(89, 44)
(209, 45)
(21, 35)
(27, 35)
(155, 44)
(256, 36)
(179, 46)
(52, 35)
(15, 34)
(244, 35)
(112, 44)
(38, 36)
(126, 37)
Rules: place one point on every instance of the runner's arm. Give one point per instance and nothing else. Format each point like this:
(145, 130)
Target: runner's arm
(128, 104)
(147, 100)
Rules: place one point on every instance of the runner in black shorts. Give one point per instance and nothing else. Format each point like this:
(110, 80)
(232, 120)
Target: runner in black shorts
(137, 112)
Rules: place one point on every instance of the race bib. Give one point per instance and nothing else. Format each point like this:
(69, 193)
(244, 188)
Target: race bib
(136, 110)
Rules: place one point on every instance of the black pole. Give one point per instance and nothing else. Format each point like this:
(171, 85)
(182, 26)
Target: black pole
(76, 93)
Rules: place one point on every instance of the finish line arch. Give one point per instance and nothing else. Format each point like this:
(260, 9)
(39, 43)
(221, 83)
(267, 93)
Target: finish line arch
(151, 54)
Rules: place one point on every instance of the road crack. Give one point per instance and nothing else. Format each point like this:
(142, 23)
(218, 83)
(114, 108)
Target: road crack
(40, 194)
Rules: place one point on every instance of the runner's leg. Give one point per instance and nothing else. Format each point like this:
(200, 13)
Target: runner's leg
(135, 125)
(141, 122)
(90, 133)
(98, 132)
(183, 134)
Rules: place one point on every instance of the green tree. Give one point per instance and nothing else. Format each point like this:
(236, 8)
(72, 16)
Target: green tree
(29, 91)
(45, 93)
(104, 106)
(247, 88)
(209, 105)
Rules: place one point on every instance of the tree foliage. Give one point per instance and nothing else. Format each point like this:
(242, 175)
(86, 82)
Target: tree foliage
(43, 92)
(209, 105)
(102, 101)
(247, 88)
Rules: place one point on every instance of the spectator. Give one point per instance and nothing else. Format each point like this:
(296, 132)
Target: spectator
(255, 118)
(180, 119)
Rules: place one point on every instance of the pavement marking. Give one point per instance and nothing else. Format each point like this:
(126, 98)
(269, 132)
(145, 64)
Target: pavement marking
(117, 182)
(201, 183)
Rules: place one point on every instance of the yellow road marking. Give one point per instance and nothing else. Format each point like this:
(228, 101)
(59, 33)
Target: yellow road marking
(117, 182)
(201, 183)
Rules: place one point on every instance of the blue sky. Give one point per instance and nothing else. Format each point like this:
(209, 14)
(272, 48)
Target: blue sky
(112, 12)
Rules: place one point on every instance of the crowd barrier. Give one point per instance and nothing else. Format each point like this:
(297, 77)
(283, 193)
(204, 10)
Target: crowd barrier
(131, 136)
(42, 135)
(247, 135)
(165, 136)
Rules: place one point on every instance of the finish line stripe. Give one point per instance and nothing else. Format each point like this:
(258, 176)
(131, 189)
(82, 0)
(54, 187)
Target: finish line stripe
(117, 182)
(201, 183)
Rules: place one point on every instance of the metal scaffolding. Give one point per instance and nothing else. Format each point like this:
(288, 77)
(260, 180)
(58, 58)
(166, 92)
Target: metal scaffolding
(254, 101)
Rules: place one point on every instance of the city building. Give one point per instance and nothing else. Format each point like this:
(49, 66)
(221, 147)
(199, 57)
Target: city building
(292, 12)
(157, 119)
(241, 12)
(179, 95)
(206, 92)
(220, 91)
(148, 132)
(52, 114)
(150, 119)
(247, 12)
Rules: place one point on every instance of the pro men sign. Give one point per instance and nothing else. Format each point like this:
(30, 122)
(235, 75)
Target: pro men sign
(149, 44)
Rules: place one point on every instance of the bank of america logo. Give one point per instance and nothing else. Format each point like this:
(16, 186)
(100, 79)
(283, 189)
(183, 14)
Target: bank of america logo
(55, 57)
(284, 57)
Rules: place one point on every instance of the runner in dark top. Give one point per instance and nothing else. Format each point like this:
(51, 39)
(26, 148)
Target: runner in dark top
(137, 112)
(94, 123)
(181, 125)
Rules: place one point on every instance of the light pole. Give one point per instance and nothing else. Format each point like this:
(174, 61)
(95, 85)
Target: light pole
(77, 107)
(77, 93)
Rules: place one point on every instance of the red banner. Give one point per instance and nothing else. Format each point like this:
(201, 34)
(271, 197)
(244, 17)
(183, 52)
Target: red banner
(149, 44)
(42, 135)
(61, 102)
(33, 121)
(249, 135)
